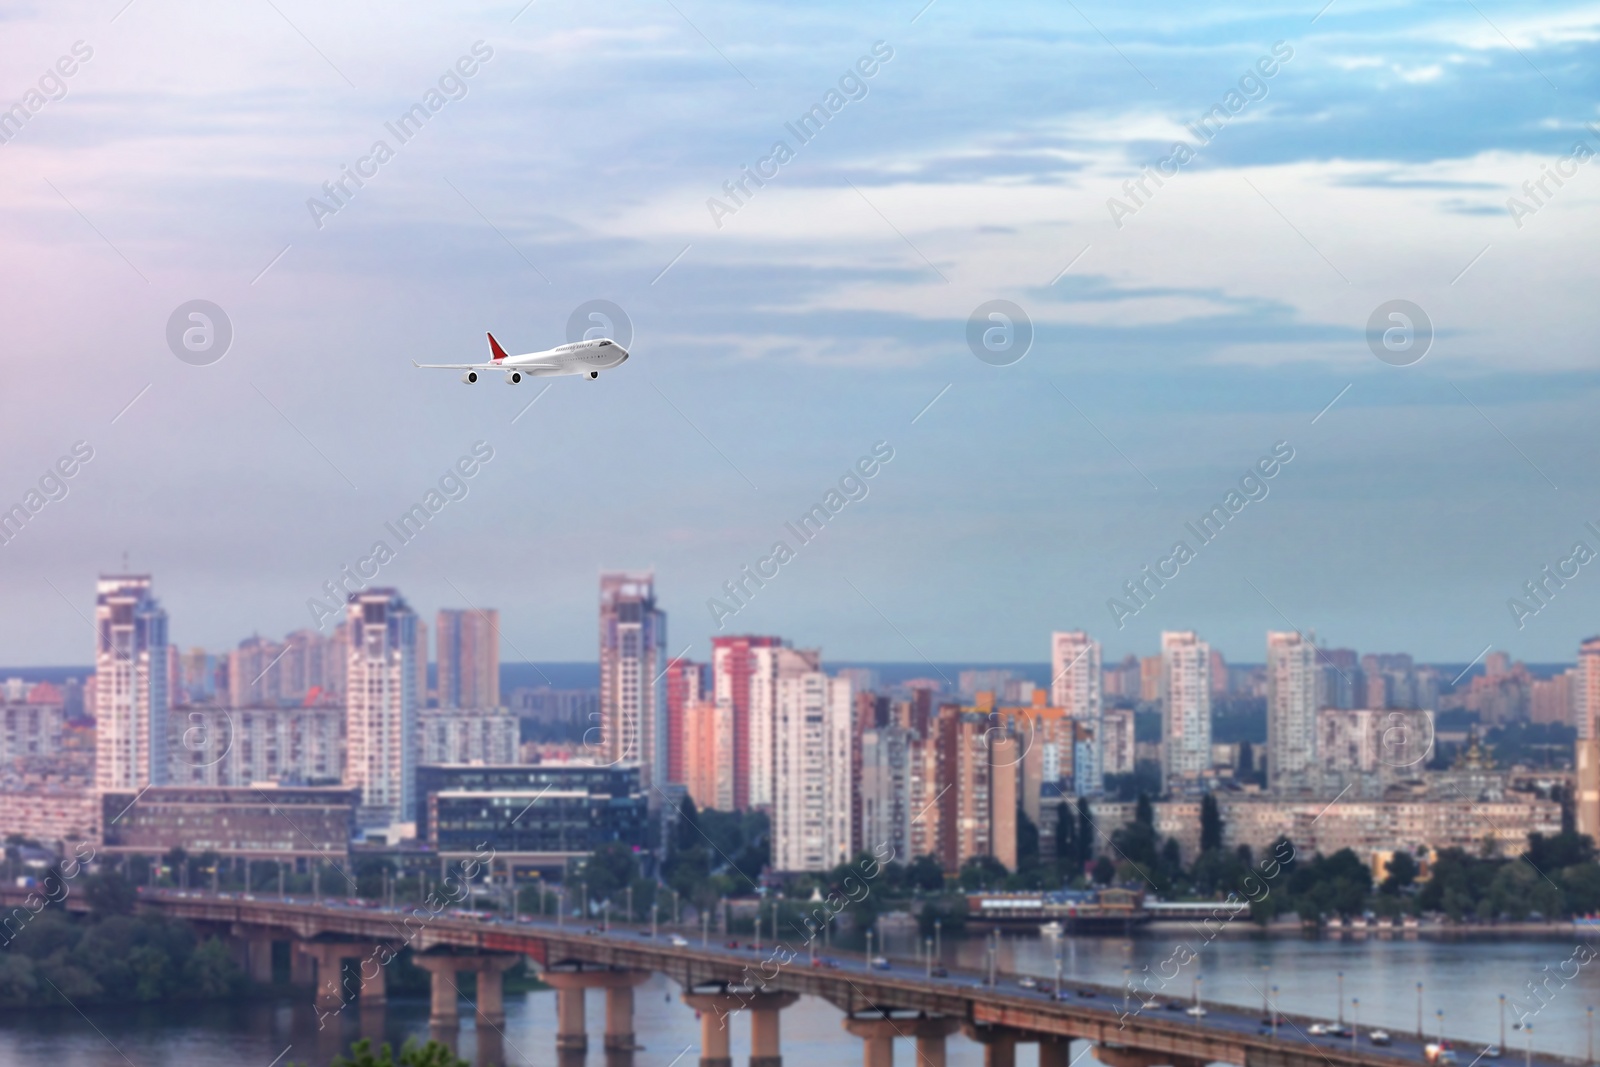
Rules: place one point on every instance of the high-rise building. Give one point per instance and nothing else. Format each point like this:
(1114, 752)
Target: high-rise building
(1363, 751)
(1117, 750)
(1586, 700)
(1341, 677)
(633, 658)
(381, 707)
(1150, 679)
(1219, 675)
(1292, 703)
(1185, 708)
(885, 792)
(254, 673)
(468, 735)
(1075, 687)
(686, 684)
(742, 673)
(704, 756)
(312, 671)
(811, 784)
(238, 747)
(132, 697)
(468, 658)
(1550, 699)
(194, 677)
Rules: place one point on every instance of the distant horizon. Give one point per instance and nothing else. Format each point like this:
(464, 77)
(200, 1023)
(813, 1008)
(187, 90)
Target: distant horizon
(892, 672)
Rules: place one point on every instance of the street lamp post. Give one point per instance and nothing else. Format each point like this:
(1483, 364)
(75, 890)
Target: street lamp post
(1590, 1012)
(938, 947)
(1527, 1060)
(869, 947)
(1274, 1011)
(1127, 987)
(1055, 992)
(705, 928)
(1266, 979)
(927, 957)
(654, 910)
(1340, 1000)
(1355, 1021)
(1419, 1011)
(1503, 1023)
(1440, 1014)
(1197, 1008)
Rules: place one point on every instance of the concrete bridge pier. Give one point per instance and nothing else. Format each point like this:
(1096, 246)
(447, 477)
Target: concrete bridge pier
(572, 1035)
(492, 970)
(327, 965)
(715, 1009)
(258, 950)
(302, 967)
(491, 1048)
(930, 1032)
(619, 1011)
(329, 957)
(765, 1048)
(1055, 1051)
(877, 1035)
(1120, 1056)
(999, 1043)
(443, 1014)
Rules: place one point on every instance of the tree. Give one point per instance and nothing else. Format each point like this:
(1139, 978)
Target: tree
(110, 894)
(1067, 840)
(1144, 813)
(1402, 872)
(980, 872)
(926, 874)
(433, 1054)
(609, 870)
(1104, 870)
(1210, 824)
(1086, 833)
(1027, 842)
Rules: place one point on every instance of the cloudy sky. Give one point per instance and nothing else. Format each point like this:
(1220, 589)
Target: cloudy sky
(1179, 334)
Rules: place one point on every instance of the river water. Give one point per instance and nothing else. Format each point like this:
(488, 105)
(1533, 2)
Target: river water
(1463, 977)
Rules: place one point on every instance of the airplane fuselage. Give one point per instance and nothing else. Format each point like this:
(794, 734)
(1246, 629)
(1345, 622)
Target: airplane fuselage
(579, 357)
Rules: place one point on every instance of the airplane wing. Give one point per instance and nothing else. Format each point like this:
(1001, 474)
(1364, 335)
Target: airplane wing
(530, 369)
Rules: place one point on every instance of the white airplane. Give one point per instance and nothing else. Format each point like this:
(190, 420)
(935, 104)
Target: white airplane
(587, 358)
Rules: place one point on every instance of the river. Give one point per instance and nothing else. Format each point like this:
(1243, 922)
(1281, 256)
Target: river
(1463, 977)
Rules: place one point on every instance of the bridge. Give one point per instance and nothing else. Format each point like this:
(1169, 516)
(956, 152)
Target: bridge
(723, 982)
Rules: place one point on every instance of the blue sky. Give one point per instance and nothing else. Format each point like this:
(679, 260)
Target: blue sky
(1170, 353)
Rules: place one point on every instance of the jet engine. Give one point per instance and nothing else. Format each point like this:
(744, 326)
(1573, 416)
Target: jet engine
(593, 375)
(513, 377)
(470, 377)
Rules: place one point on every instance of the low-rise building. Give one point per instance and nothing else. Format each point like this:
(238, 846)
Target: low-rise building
(51, 813)
(1418, 823)
(533, 817)
(257, 822)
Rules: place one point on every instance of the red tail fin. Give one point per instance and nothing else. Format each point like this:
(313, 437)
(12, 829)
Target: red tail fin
(494, 346)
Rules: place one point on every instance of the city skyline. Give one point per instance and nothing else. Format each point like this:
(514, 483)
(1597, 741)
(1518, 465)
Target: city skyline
(484, 620)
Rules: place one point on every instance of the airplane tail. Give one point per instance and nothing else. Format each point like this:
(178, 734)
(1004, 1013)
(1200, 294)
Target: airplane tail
(494, 346)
